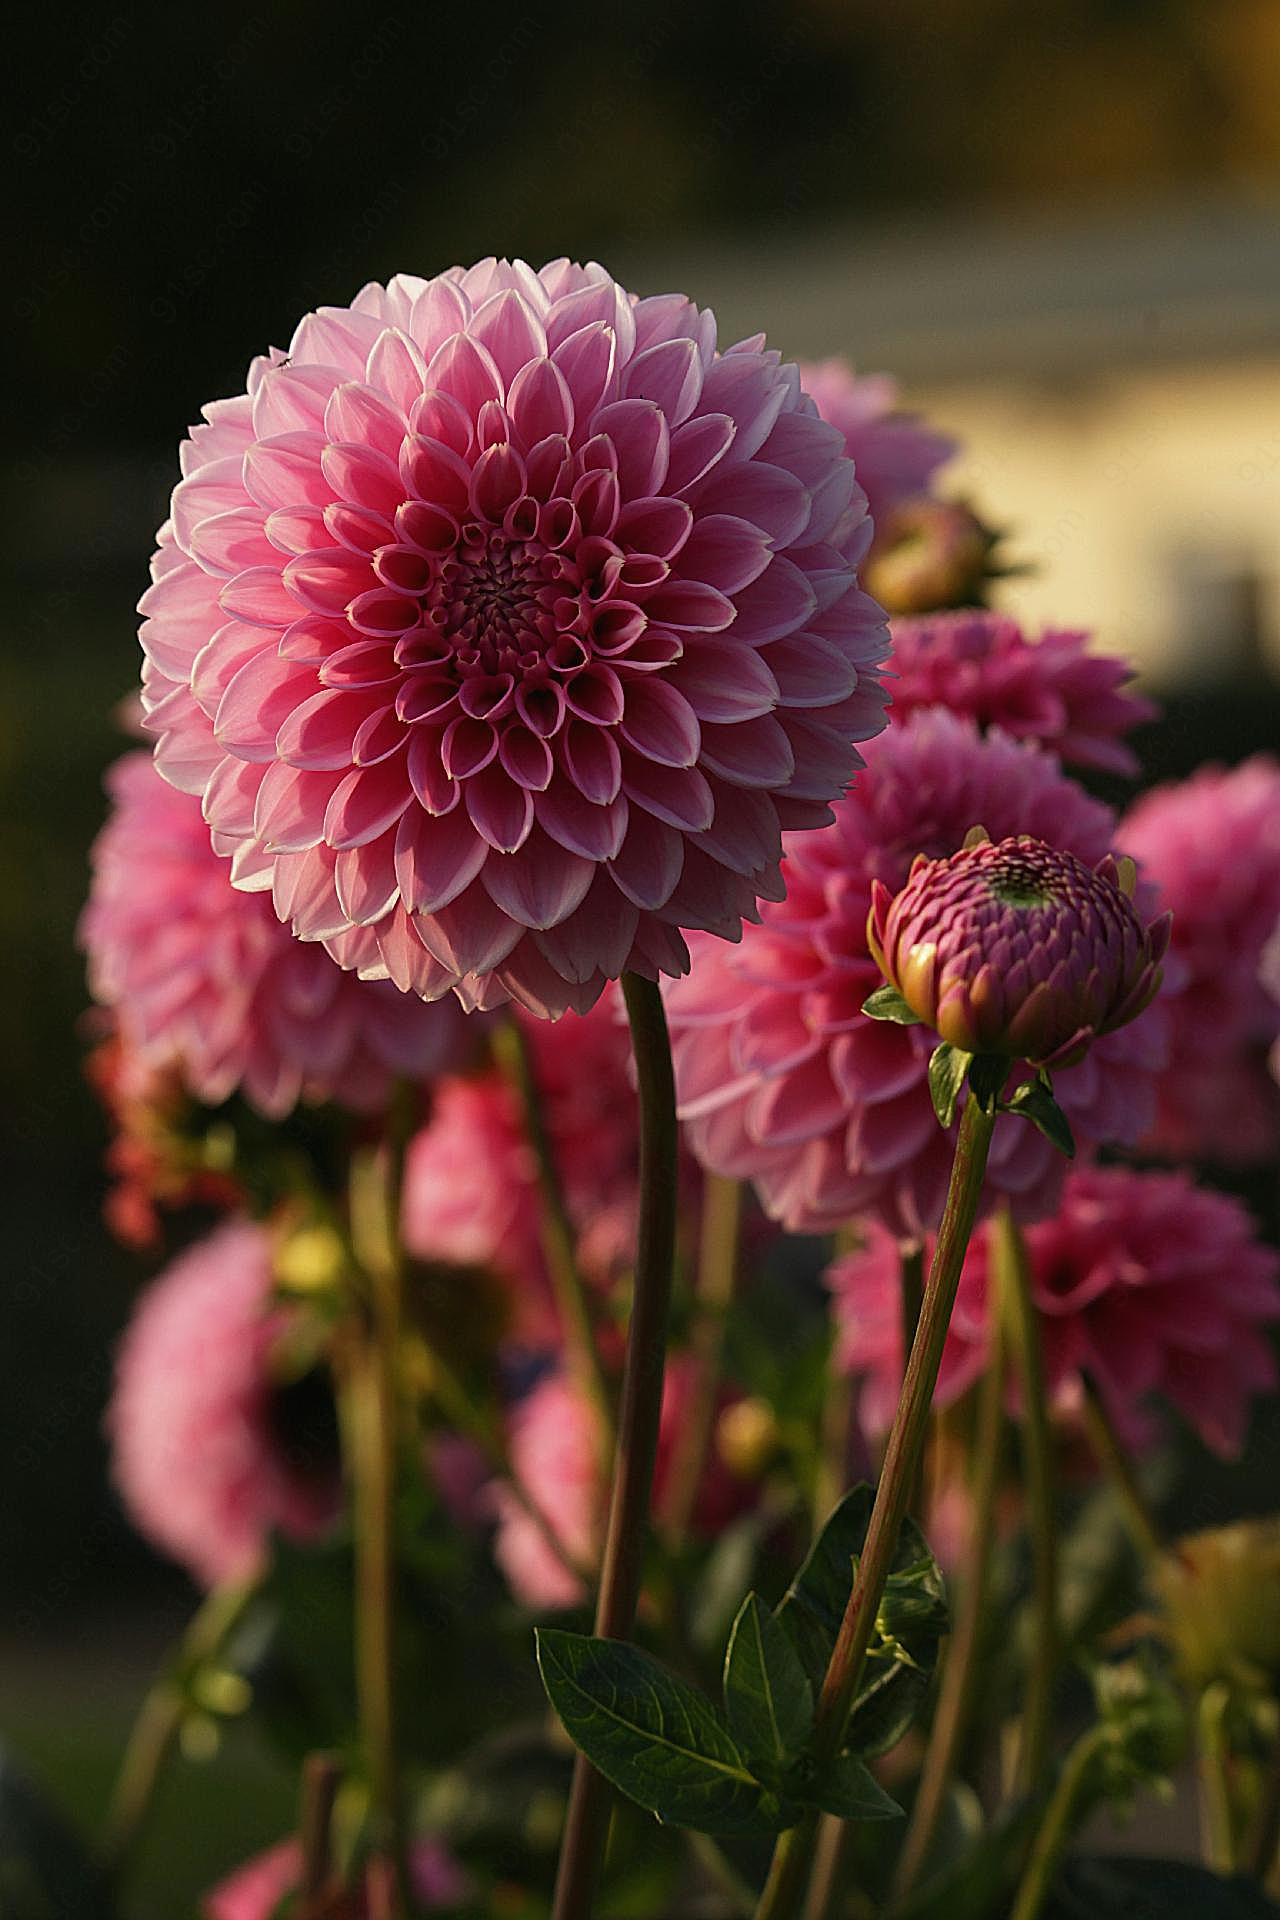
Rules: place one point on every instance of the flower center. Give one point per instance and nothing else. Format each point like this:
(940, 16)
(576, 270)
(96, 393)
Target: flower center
(1016, 884)
(493, 599)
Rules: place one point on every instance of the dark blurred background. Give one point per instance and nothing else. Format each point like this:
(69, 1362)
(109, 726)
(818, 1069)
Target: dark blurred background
(1056, 222)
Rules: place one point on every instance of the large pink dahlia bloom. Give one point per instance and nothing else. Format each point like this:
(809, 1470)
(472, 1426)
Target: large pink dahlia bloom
(205, 980)
(895, 453)
(1212, 845)
(1051, 690)
(555, 1457)
(1150, 1285)
(204, 1454)
(784, 1081)
(504, 623)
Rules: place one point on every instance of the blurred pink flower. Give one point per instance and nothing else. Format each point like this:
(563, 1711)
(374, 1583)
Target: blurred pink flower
(503, 623)
(255, 1890)
(1212, 845)
(1151, 1285)
(784, 1081)
(204, 979)
(471, 1180)
(202, 1454)
(894, 453)
(1052, 690)
(553, 1455)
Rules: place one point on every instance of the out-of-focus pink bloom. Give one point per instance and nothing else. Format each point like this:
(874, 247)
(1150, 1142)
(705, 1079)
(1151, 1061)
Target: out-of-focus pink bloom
(471, 1181)
(784, 1081)
(1016, 948)
(894, 453)
(1269, 974)
(203, 979)
(202, 1453)
(555, 1458)
(1212, 846)
(503, 624)
(1153, 1287)
(1051, 690)
(255, 1890)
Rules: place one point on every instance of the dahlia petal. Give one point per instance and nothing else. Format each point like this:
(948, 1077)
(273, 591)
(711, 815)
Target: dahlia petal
(436, 790)
(592, 761)
(285, 471)
(670, 374)
(465, 370)
(678, 795)
(542, 884)
(289, 808)
(501, 811)
(745, 835)
(396, 368)
(230, 797)
(693, 606)
(438, 312)
(295, 530)
(656, 526)
(469, 934)
(512, 333)
(435, 473)
(436, 858)
(658, 722)
(291, 399)
(258, 701)
(595, 832)
(335, 336)
(365, 879)
(725, 682)
(641, 436)
(211, 490)
(365, 803)
(810, 672)
(216, 665)
(753, 395)
(259, 597)
(438, 416)
(776, 604)
(750, 753)
(586, 360)
(526, 756)
(378, 737)
(648, 865)
(318, 731)
(363, 415)
(362, 477)
(327, 580)
(229, 543)
(725, 552)
(540, 403)
(595, 940)
(768, 497)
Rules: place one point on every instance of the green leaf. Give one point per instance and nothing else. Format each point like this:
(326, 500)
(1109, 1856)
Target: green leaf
(1035, 1102)
(886, 1003)
(46, 1872)
(1136, 1889)
(767, 1695)
(896, 1676)
(948, 1066)
(852, 1792)
(656, 1738)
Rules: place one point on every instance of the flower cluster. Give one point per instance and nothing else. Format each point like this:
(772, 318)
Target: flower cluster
(1145, 1283)
(503, 623)
(784, 1081)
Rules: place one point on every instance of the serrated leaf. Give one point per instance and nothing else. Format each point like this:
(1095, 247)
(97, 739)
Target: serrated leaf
(1035, 1103)
(851, 1791)
(767, 1696)
(886, 1003)
(948, 1066)
(655, 1737)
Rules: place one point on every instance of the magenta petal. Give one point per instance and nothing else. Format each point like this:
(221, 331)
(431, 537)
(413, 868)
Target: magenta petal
(648, 865)
(541, 885)
(436, 858)
(678, 795)
(469, 934)
(365, 803)
(256, 704)
(660, 723)
(501, 811)
(596, 832)
(365, 878)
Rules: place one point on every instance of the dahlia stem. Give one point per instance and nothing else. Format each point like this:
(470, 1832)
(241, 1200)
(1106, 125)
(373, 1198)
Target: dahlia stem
(911, 1270)
(159, 1722)
(1061, 1816)
(1217, 1828)
(1013, 1279)
(719, 1241)
(789, 1870)
(1264, 1835)
(559, 1241)
(960, 1661)
(372, 1409)
(1109, 1452)
(321, 1778)
(589, 1799)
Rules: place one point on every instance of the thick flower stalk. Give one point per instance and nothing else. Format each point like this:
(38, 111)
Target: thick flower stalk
(503, 624)
(1016, 949)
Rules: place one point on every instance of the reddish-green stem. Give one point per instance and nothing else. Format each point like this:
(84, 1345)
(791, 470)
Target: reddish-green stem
(587, 1820)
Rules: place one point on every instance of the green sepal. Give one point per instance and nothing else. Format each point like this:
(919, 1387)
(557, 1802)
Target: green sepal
(987, 1075)
(886, 1003)
(655, 1737)
(767, 1696)
(1035, 1102)
(948, 1066)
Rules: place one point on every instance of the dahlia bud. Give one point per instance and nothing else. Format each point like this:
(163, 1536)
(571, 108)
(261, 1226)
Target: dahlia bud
(1221, 1594)
(929, 554)
(1017, 950)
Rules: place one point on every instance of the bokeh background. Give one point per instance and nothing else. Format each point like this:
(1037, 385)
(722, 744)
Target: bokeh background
(1056, 223)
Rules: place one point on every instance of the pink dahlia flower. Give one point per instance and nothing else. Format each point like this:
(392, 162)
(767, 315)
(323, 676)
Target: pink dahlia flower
(1212, 845)
(1051, 690)
(1145, 1282)
(204, 979)
(554, 1457)
(471, 1193)
(202, 1449)
(256, 1890)
(896, 455)
(503, 624)
(784, 1081)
